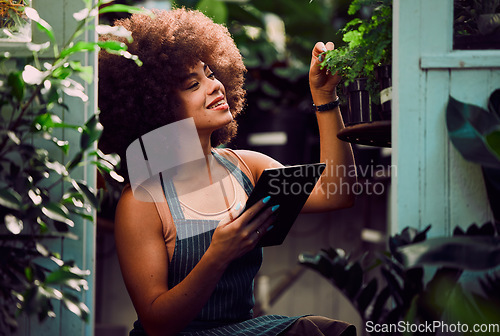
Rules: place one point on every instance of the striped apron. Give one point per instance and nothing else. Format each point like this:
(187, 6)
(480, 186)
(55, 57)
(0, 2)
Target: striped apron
(229, 309)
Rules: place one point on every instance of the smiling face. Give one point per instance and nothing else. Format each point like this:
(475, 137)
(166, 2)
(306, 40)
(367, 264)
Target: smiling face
(203, 98)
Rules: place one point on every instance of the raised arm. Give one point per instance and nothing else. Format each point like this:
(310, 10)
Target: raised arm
(334, 190)
(144, 263)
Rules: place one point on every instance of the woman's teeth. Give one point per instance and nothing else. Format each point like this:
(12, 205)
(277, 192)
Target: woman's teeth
(218, 104)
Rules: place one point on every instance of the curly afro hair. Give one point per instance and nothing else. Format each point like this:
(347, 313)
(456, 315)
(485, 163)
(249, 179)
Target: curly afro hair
(135, 100)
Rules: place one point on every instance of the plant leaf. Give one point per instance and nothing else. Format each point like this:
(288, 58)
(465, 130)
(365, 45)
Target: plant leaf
(117, 8)
(85, 13)
(85, 72)
(77, 159)
(393, 285)
(366, 295)
(45, 122)
(91, 132)
(15, 81)
(10, 199)
(13, 224)
(112, 45)
(115, 30)
(468, 126)
(57, 212)
(494, 103)
(32, 75)
(119, 48)
(68, 276)
(493, 141)
(79, 46)
(380, 303)
(76, 307)
(354, 280)
(88, 193)
(473, 253)
(214, 9)
(32, 14)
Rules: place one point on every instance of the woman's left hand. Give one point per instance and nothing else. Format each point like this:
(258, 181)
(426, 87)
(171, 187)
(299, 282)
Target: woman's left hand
(322, 83)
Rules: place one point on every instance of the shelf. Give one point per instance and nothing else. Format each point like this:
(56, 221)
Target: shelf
(462, 59)
(376, 133)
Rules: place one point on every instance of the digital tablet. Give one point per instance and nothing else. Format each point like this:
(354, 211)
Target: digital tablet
(289, 187)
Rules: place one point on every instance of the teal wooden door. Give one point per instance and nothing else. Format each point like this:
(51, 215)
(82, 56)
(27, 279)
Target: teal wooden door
(434, 184)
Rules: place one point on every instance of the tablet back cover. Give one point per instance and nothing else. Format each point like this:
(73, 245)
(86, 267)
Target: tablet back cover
(289, 187)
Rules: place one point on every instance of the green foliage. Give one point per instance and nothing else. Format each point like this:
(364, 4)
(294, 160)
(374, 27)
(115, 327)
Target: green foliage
(40, 198)
(467, 14)
(215, 9)
(404, 292)
(486, 6)
(368, 44)
(475, 133)
(12, 15)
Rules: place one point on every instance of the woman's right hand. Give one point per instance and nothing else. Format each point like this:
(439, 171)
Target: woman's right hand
(233, 239)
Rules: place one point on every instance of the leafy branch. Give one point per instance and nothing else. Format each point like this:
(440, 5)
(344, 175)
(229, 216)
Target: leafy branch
(31, 275)
(368, 44)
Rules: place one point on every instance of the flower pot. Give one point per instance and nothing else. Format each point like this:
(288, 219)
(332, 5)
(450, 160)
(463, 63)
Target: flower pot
(359, 102)
(384, 77)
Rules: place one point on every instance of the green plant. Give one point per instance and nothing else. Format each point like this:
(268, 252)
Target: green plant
(467, 16)
(486, 6)
(369, 44)
(421, 281)
(39, 196)
(12, 15)
(475, 133)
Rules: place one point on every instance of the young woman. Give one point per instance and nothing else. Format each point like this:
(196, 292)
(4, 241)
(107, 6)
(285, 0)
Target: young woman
(201, 283)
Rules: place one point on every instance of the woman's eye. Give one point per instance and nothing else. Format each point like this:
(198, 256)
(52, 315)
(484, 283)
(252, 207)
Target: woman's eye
(211, 75)
(192, 86)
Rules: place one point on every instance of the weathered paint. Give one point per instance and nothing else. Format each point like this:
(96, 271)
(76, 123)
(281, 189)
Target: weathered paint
(434, 184)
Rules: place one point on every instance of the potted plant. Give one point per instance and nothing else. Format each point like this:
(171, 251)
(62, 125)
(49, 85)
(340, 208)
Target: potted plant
(40, 197)
(476, 24)
(14, 24)
(365, 60)
(421, 287)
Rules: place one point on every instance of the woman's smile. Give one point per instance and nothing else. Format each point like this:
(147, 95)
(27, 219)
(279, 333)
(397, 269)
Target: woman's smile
(218, 104)
(203, 98)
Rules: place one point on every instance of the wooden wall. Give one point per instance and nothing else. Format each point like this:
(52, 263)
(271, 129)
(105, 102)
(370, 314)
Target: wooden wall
(434, 184)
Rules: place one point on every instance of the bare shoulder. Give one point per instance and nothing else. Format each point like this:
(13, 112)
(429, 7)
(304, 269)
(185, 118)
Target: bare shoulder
(131, 214)
(141, 250)
(257, 161)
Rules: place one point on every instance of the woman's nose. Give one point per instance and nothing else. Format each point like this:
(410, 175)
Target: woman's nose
(215, 86)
